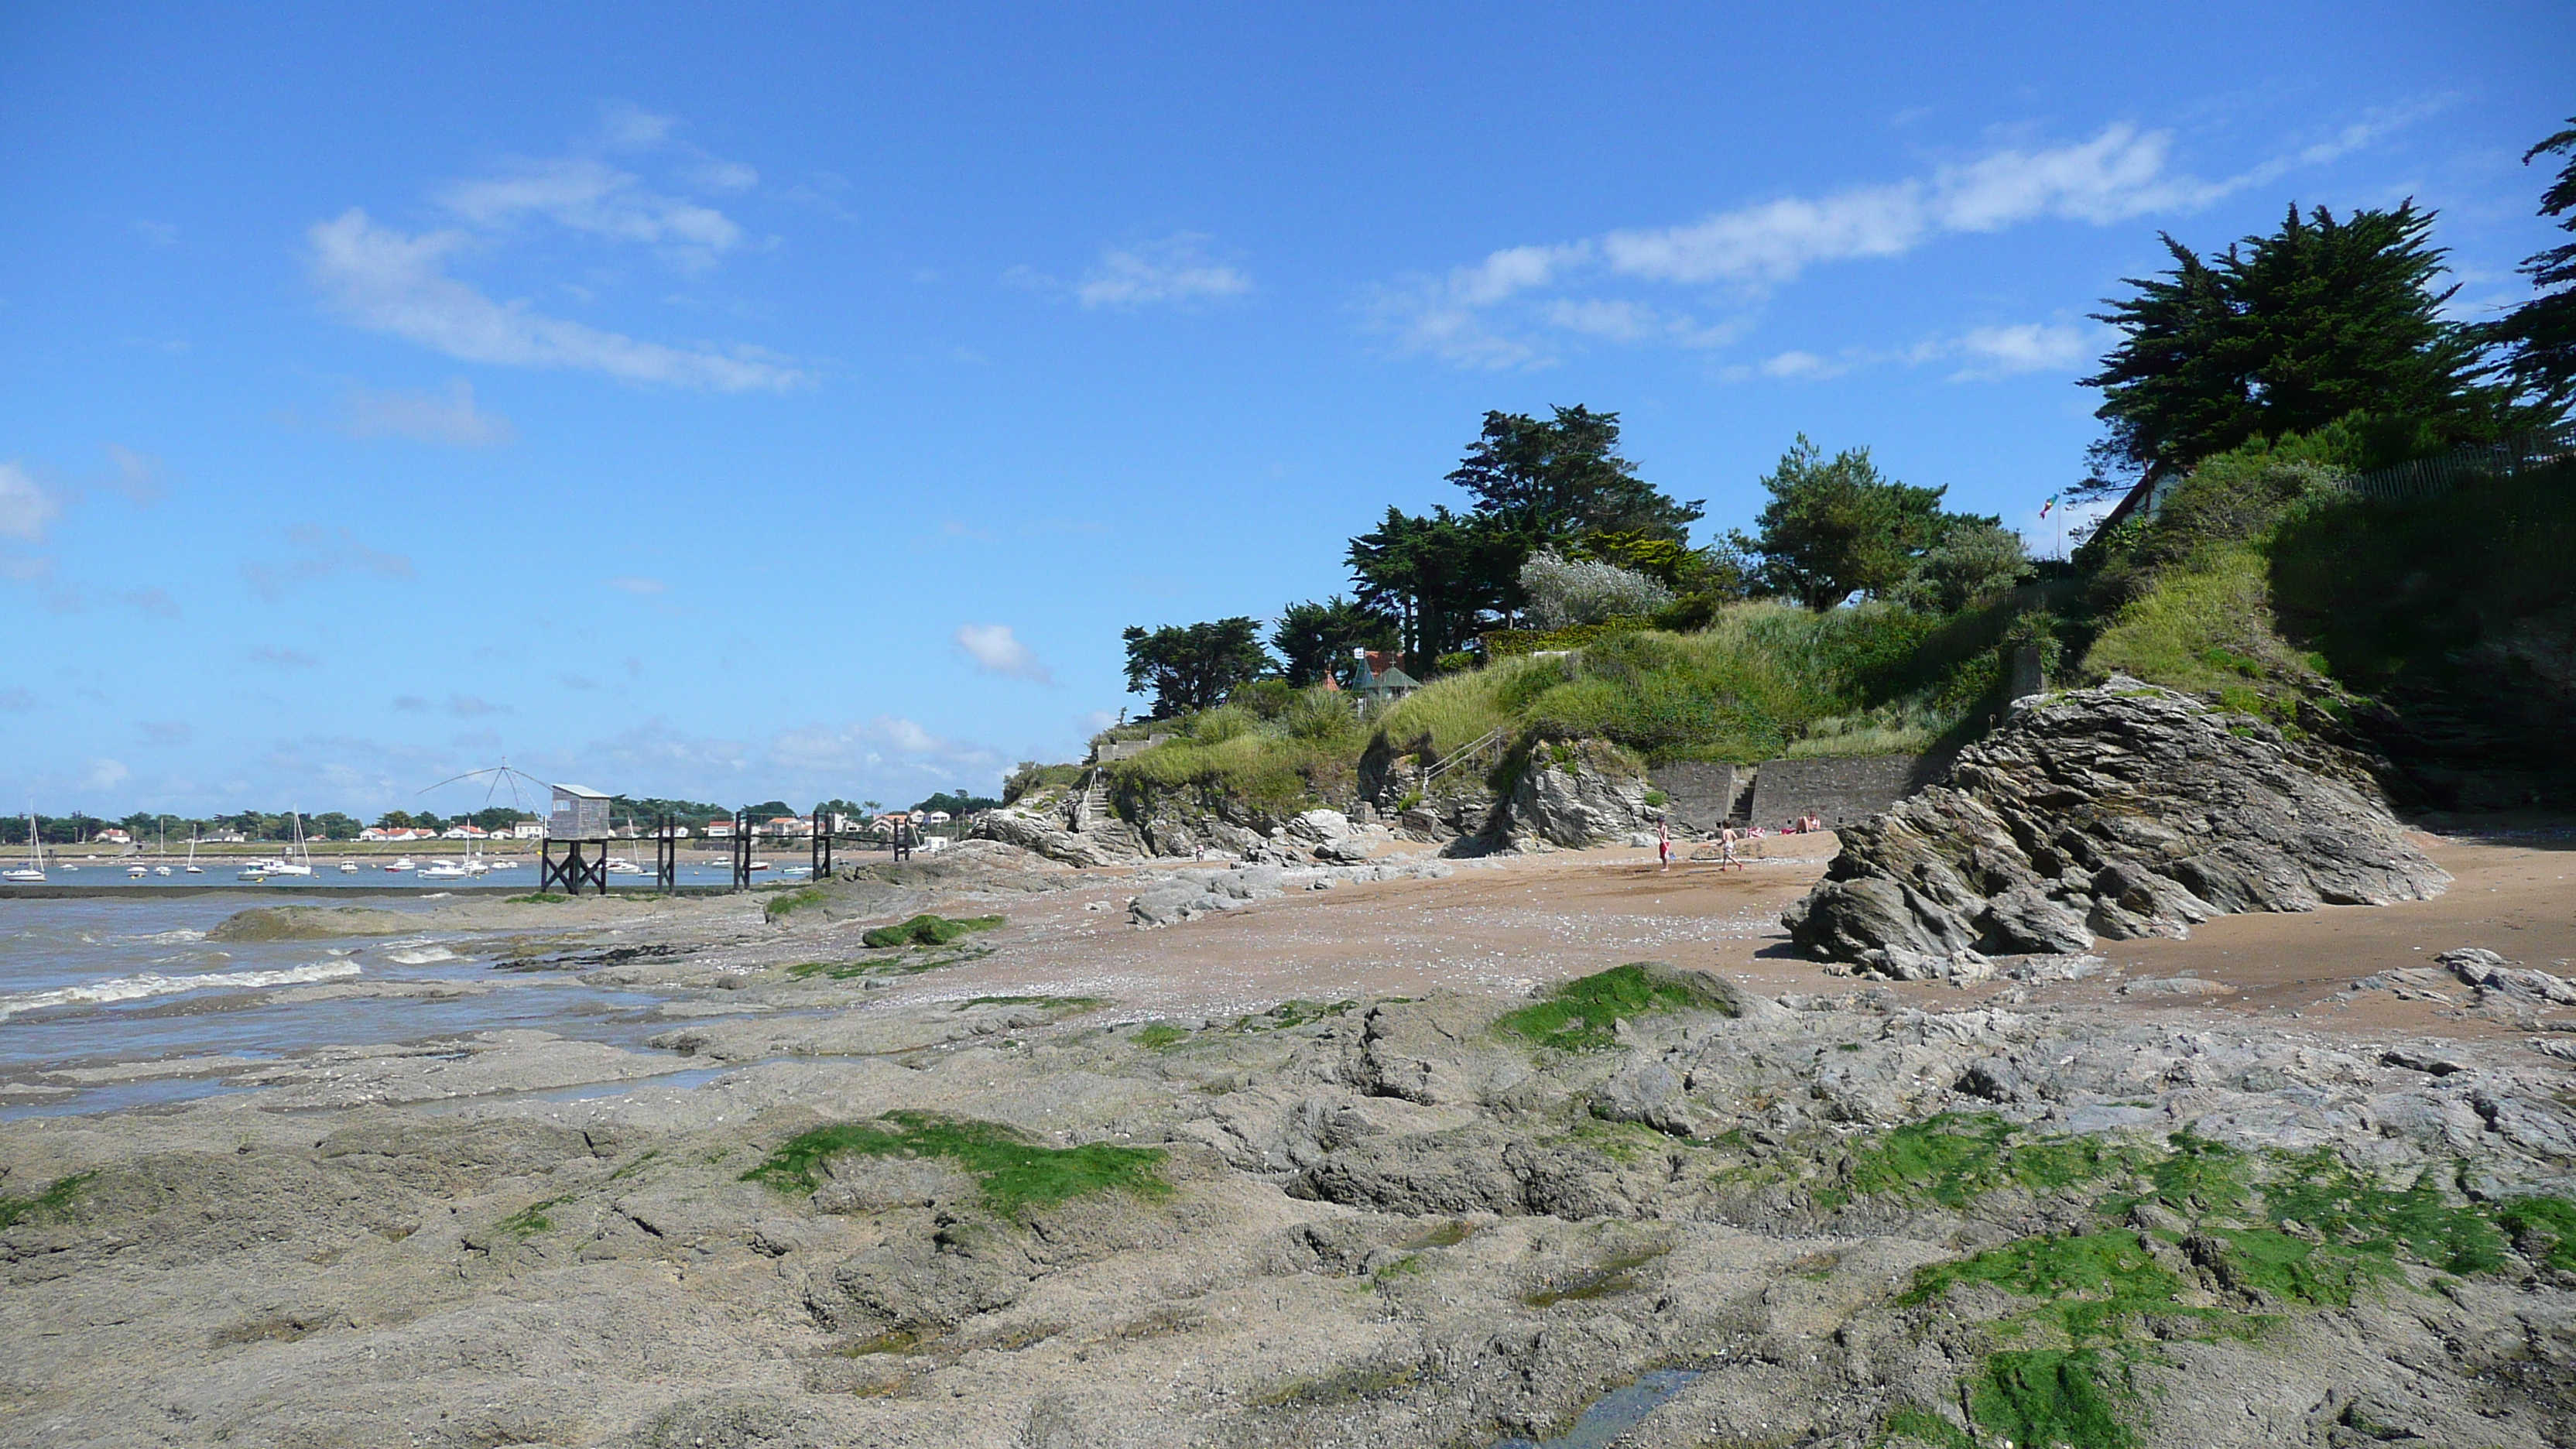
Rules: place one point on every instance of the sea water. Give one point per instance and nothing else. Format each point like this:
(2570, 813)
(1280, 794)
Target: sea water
(1616, 1412)
(93, 982)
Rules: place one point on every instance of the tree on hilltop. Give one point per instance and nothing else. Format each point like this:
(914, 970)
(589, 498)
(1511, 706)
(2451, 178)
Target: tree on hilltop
(2539, 337)
(1564, 476)
(1188, 668)
(1314, 638)
(2287, 333)
(1837, 526)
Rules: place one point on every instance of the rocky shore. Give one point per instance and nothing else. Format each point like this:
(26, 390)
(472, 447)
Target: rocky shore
(980, 1185)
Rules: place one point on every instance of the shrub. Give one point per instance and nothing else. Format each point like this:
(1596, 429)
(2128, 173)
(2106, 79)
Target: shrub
(1033, 776)
(1973, 562)
(780, 907)
(1563, 591)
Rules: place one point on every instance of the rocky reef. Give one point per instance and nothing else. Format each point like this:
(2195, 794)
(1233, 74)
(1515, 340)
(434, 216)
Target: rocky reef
(2119, 811)
(1834, 1220)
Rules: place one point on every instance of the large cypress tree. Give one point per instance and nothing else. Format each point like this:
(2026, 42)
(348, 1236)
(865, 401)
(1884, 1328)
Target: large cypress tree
(1564, 476)
(2539, 337)
(2320, 320)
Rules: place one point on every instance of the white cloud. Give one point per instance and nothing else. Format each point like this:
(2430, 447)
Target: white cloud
(1803, 366)
(629, 127)
(1982, 354)
(885, 745)
(1176, 270)
(1513, 308)
(2028, 347)
(427, 417)
(717, 175)
(138, 477)
(996, 650)
(381, 279)
(591, 196)
(107, 774)
(638, 586)
(320, 555)
(25, 507)
(2118, 174)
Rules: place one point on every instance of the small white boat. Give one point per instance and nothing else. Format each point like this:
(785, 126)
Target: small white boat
(348, 867)
(160, 870)
(760, 865)
(402, 865)
(33, 872)
(298, 860)
(258, 870)
(136, 872)
(442, 870)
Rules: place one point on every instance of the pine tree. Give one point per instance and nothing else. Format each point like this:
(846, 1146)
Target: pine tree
(2286, 333)
(2539, 337)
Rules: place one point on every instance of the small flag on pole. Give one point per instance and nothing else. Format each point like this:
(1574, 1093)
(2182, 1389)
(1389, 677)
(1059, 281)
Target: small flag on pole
(2051, 503)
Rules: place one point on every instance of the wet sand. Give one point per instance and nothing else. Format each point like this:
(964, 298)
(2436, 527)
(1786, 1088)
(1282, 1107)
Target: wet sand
(1509, 924)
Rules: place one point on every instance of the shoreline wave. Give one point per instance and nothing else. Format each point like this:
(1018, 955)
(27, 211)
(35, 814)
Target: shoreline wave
(152, 983)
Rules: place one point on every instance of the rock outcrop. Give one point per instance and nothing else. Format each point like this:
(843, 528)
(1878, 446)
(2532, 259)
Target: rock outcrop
(1048, 832)
(2120, 811)
(1578, 795)
(1187, 895)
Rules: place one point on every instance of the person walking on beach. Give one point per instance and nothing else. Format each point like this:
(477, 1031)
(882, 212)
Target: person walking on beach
(1664, 844)
(1726, 850)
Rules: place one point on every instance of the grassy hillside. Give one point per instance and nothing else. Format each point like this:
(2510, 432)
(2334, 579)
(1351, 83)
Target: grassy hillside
(1762, 681)
(2442, 633)
(2439, 632)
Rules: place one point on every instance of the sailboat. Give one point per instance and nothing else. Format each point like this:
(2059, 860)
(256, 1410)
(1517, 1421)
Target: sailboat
(33, 872)
(298, 860)
(193, 867)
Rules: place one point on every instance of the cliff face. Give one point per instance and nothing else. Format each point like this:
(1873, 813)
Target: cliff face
(2120, 811)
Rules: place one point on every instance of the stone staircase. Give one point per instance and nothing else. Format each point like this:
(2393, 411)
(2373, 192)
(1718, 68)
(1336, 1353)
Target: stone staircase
(1484, 750)
(1739, 811)
(1093, 808)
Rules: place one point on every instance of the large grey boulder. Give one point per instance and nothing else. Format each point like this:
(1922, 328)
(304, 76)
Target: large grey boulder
(2120, 811)
(1581, 794)
(1046, 834)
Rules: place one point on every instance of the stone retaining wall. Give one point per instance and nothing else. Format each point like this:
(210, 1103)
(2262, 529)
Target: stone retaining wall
(1839, 790)
(1698, 794)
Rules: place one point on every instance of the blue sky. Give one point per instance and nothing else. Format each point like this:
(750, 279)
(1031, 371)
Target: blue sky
(798, 405)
